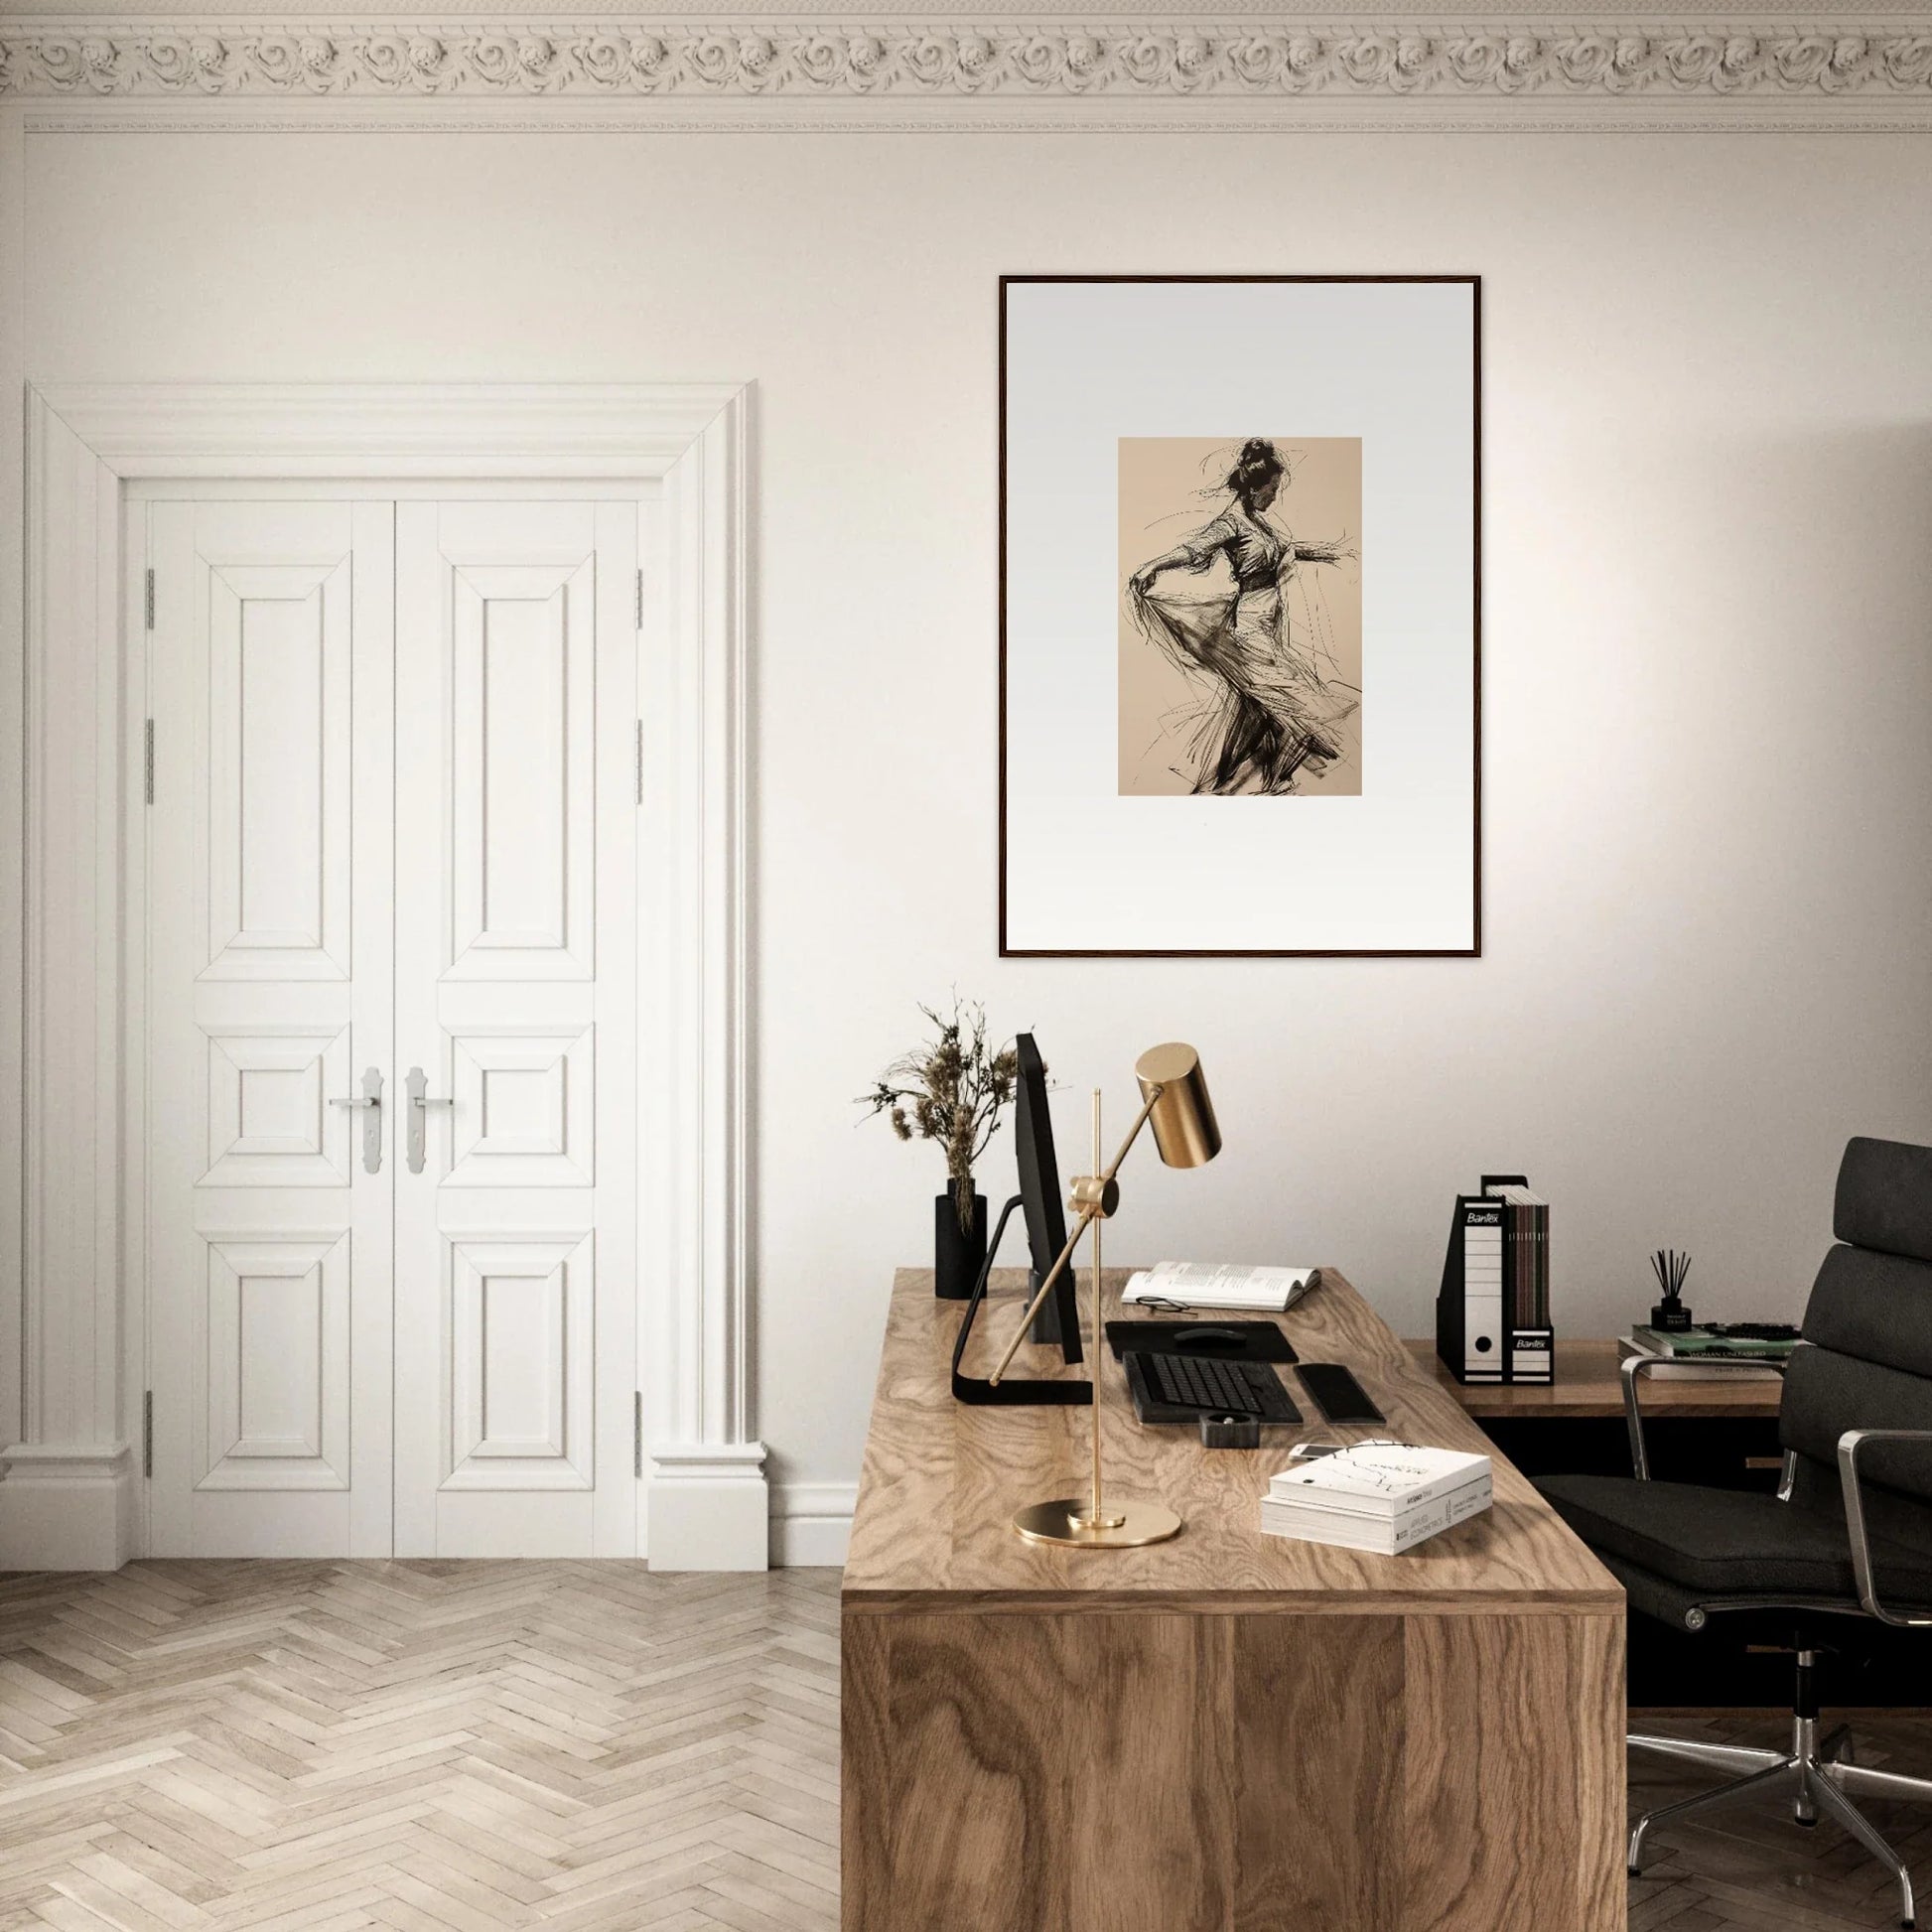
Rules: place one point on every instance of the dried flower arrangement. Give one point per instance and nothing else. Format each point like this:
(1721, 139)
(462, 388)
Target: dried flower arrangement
(952, 1091)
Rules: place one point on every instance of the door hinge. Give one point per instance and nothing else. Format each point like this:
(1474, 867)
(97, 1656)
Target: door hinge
(150, 599)
(637, 1434)
(640, 599)
(147, 1433)
(641, 760)
(147, 762)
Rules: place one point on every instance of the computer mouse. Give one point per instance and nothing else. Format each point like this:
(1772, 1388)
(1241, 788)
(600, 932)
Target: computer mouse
(1206, 1337)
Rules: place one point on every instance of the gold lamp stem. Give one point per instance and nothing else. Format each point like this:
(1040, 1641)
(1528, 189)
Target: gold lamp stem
(1095, 1516)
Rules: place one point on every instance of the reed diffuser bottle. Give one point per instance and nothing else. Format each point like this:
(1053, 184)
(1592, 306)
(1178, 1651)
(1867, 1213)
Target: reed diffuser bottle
(1670, 1315)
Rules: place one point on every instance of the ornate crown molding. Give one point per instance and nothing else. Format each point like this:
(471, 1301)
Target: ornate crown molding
(1175, 62)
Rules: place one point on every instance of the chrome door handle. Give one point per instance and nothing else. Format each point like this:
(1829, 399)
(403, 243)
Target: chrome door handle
(371, 1099)
(419, 1102)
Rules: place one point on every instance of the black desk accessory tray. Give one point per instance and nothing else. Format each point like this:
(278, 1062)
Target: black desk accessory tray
(1252, 1341)
(1230, 1432)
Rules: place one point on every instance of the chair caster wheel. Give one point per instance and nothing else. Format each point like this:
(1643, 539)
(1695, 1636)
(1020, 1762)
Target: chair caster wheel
(1810, 1824)
(1633, 1872)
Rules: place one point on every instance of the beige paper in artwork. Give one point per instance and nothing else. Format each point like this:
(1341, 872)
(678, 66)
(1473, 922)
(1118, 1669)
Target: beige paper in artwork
(1253, 692)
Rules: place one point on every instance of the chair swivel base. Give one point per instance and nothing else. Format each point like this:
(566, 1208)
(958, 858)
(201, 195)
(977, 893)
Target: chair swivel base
(1818, 1774)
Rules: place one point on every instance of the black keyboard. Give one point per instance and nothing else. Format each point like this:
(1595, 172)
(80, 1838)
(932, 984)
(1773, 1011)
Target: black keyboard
(1202, 1386)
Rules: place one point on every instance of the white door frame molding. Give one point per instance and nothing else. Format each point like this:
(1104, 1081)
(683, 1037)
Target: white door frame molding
(67, 1500)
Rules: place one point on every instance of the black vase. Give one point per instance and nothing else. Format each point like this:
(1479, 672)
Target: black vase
(957, 1254)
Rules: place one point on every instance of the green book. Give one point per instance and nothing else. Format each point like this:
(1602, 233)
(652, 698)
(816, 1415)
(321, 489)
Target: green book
(1687, 1343)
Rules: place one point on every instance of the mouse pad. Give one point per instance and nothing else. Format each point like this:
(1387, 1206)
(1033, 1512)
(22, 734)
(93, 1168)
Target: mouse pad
(1223, 1341)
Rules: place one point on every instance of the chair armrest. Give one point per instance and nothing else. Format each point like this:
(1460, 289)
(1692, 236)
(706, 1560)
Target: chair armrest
(1849, 1445)
(1634, 1367)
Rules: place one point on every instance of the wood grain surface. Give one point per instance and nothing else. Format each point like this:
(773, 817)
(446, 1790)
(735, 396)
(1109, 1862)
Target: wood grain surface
(1318, 1737)
(1513, 1772)
(318, 1745)
(1142, 1772)
(1588, 1385)
(941, 1482)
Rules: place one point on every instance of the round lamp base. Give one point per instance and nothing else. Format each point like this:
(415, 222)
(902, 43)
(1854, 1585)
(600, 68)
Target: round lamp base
(1063, 1521)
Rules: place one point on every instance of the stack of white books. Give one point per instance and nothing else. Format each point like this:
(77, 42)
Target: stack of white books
(1221, 1285)
(1381, 1496)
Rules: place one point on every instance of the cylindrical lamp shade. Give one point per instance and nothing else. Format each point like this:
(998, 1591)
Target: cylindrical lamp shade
(1185, 1128)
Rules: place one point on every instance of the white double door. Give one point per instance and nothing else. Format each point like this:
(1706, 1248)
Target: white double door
(390, 1161)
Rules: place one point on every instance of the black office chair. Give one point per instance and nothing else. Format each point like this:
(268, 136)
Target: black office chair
(1849, 1536)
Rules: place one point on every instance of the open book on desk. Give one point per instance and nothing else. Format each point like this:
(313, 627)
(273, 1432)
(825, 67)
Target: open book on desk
(1220, 1284)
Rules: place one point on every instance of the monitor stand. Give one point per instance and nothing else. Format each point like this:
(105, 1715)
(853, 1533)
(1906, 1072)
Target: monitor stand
(1011, 1391)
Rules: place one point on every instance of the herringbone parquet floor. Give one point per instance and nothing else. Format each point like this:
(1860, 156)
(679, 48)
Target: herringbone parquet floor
(430, 1746)
(463, 1747)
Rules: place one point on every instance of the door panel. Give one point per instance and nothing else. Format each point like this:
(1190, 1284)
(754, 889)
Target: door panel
(522, 771)
(515, 1242)
(524, 1108)
(270, 955)
(277, 1415)
(521, 1324)
(269, 1121)
(278, 778)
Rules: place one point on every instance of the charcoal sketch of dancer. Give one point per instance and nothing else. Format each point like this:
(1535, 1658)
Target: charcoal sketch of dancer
(1268, 713)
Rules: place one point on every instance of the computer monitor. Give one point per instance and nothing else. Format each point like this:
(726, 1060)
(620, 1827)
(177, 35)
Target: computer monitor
(1040, 1195)
(1039, 1200)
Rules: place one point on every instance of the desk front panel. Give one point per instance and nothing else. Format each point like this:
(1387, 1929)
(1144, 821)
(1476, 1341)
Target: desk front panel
(1133, 1772)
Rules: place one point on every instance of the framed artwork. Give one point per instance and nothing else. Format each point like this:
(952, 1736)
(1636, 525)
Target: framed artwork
(1240, 575)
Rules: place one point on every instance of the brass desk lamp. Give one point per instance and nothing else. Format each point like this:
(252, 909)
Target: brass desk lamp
(1175, 1100)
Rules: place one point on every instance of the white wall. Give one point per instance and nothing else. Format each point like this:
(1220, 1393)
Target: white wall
(1708, 654)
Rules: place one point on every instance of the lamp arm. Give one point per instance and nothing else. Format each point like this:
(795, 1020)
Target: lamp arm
(1088, 1215)
(1134, 1132)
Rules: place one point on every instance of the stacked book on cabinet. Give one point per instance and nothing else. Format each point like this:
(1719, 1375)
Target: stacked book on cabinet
(1381, 1496)
(1743, 1351)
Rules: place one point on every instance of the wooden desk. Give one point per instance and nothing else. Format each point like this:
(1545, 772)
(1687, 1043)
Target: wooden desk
(1227, 1732)
(1588, 1385)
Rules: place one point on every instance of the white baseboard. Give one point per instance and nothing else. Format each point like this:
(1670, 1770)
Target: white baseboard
(811, 1523)
(710, 1506)
(64, 1506)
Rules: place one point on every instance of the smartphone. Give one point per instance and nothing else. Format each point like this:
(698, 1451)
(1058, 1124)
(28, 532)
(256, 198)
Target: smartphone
(1335, 1392)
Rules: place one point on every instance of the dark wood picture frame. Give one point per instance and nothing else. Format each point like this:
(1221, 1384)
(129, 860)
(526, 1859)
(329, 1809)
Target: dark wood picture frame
(1474, 949)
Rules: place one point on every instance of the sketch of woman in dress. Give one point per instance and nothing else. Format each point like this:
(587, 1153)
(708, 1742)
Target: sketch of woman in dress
(1268, 715)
